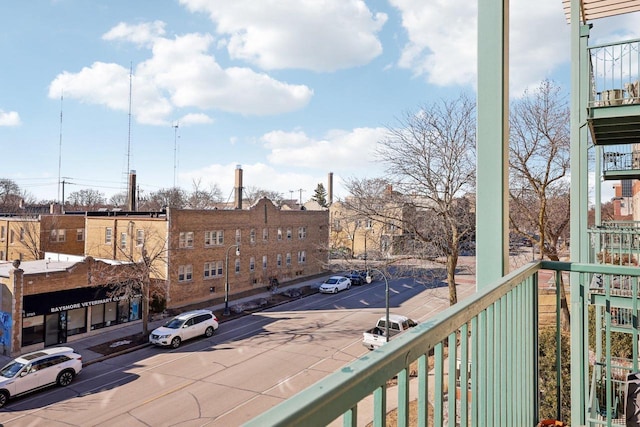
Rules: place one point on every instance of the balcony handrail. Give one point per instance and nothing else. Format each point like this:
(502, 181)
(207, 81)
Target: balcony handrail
(608, 44)
(489, 311)
(342, 390)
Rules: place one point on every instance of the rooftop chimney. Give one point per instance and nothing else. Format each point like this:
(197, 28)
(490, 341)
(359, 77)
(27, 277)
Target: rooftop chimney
(330, 189)
(131, 192)
(238, 187)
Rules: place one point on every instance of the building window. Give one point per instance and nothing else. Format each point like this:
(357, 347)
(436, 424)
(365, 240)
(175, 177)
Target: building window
(123, 240)
(80, 234)
(212, 269)
(108, 235)
(237, 265)
(302, 257)
(302, 232)
(185, 273)
(279, 233)
(369, 223)
(289, 234)
(264, 262)
(214, 238)
(279, 260)
(209, 269)
(21, 234)
(57, 236)
(252, 264)
(3, 233)
(265, 234)
(252, 235)
(186, 239)
(139, 237)
(238, 236)
(288, 258)
(2, 256)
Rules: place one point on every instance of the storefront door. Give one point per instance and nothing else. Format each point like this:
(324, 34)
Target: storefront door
(55, 328)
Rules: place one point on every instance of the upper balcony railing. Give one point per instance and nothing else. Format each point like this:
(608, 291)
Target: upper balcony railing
(621, 161)
(616, 243)
(615, 73)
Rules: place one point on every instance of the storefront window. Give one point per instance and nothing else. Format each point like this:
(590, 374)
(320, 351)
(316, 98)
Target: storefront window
(97, 316)
(32, 330)
(123, 311)
(76, 321)
(110, 313)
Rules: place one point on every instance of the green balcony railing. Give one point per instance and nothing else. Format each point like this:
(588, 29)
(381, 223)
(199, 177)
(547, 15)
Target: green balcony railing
(489, 341)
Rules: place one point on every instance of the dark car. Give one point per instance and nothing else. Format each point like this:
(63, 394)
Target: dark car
(357, 277)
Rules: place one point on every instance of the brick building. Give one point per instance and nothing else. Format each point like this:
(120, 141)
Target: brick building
(190, 249)
(59, 299)
(29, 237)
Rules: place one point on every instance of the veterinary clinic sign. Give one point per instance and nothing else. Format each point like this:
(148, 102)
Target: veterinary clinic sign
(85, 304)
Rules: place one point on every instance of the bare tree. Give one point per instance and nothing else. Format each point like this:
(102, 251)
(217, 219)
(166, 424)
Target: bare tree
(118, 200)
(539, 163)
(141, 271)
(31, 238)
(204, 198)
(430, 158)
(86, 199)
(174, 197)
(253, 194)
(12, 197)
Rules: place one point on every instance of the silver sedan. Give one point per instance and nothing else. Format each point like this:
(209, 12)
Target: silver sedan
(335, 284)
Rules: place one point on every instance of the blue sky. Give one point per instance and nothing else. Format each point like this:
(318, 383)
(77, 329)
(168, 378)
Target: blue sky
(289, 89)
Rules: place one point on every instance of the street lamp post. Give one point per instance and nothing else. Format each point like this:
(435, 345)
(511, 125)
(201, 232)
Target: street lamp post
(386, 300)
(226, 278)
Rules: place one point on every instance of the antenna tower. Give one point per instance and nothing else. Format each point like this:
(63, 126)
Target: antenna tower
(129, 137)
(175, 151)
(60, 151)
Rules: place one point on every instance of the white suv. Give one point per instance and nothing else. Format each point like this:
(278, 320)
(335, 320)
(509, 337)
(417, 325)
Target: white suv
(32, 371)
(183, 327)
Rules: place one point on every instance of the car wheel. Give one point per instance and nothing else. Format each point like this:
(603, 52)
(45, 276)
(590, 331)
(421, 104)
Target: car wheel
(175, 342)
(348, 286)
(209, 331)
(4, 398)
(335, 290)
(65, 378)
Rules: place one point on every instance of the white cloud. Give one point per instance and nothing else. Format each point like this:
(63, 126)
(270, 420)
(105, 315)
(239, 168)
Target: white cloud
(302, 34)
(180, 74)
(143, 34)
(193, 119)
(298, 161)
(343, 151)
(9, 118)
(442, 43)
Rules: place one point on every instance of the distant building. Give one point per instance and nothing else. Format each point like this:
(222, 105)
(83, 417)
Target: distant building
(190, 249)
(28, 237)
(57, 300)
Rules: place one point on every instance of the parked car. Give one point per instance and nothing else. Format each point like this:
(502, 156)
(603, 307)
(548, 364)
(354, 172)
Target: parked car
(376, 337)
(335, 284)
(39, 369)
(184, 327)
(357, 277)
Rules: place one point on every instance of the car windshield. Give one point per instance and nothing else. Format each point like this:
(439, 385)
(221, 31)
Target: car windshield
(174, 323)
(331, 281)
(10, 370)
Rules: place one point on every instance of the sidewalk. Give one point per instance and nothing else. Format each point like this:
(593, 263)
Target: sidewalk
(83, 345)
